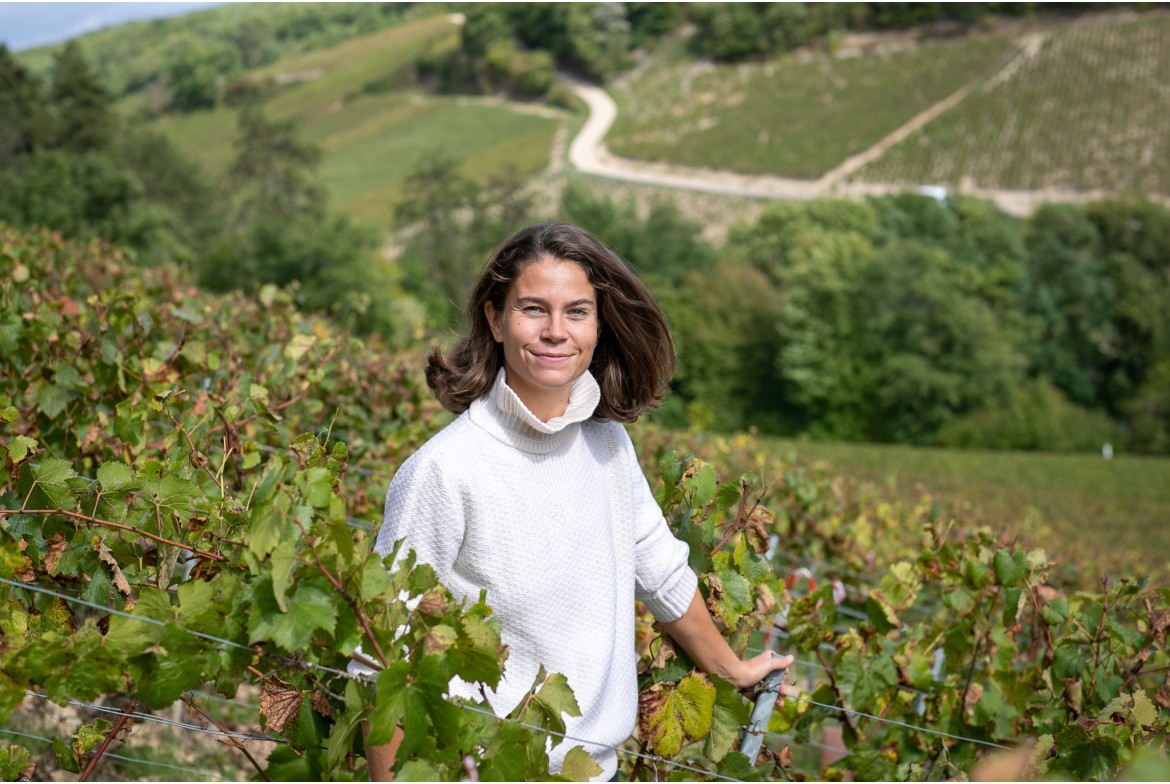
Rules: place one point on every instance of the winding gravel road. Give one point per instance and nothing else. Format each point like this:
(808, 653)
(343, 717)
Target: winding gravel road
(588, 154)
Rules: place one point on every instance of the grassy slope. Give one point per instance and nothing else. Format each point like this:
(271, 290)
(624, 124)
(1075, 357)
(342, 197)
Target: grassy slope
(791, 117)
(371, 142)
(1089, 111)
(1111, 514)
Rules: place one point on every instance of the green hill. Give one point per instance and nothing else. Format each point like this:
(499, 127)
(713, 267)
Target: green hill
(1087, 110)
(358, 102)
(1049, 104)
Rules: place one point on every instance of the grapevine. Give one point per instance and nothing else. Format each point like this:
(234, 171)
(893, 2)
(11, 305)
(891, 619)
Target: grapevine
(187, 496)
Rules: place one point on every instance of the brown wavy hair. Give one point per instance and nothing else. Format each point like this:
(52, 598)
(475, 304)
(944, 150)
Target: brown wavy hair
(635, 355)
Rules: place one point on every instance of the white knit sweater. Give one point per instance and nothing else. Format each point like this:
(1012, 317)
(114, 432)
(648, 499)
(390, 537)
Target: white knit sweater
(557, 522)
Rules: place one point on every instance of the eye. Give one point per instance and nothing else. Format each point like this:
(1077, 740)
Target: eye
(579, 313)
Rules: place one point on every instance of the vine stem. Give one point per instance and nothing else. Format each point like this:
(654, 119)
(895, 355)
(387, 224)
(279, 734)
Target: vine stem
(118, 725)
(738, 517)
(641, 760)
(120, 526)
(357, 610)
(353, 604)
(198, 459)
(228, 736)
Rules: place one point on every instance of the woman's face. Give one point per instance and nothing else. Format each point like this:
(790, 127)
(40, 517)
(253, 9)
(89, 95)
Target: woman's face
(548, 327)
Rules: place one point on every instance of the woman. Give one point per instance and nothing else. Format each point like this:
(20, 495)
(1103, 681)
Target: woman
(534, 492)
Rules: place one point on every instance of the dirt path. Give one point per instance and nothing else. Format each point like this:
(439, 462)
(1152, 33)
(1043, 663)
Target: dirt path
(588, 154)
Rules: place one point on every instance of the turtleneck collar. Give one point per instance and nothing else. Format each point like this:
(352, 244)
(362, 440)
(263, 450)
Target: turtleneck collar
(503, 414)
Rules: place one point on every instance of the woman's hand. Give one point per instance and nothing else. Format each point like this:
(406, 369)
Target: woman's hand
(751, 671)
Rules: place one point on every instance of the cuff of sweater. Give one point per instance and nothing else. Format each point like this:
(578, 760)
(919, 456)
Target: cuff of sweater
(670, 605)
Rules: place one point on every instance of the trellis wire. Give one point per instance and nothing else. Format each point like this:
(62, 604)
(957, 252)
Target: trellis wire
(163, 720)
(367, 679)
(201, 773)
(924, 730)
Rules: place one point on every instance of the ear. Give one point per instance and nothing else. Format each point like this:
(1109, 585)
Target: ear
(493, 320)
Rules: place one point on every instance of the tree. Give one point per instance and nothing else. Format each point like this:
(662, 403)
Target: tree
(273, 173)
(1136, 238)
(198, 72)
(937, 349)
(23, 129)
(1070, 298)
(82, 118)
(452, 224)
(724, 325)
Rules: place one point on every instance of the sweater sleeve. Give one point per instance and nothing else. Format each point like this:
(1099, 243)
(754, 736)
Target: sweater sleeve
(424, 509)
(664, 580)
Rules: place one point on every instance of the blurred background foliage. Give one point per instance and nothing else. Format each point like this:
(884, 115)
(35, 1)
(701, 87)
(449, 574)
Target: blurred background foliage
(899, 318)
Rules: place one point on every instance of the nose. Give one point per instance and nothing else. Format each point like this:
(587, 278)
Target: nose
(555, 329)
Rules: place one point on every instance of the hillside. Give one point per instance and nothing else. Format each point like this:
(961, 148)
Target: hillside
(359, 103)
(1036, 103)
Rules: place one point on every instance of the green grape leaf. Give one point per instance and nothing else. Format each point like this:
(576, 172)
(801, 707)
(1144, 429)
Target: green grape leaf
(15, 762)
(174, 668)
(549, 698)
(114, 477)
(701, 484)
(900, 586)
(53, 399)
(309, 609)
(579, 766)
(729, 714)
(729, 494)
(50, 485)
(284, 561)
(65, 757)
(738, 767)
(22, 448)
(418, 770)
(1010, 568)
(880, 614)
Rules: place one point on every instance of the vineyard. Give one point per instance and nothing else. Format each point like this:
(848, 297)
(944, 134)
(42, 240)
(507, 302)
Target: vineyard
(1053, 106)
(1086, 111)
(797, 117)
(360, 103)
(189, 488)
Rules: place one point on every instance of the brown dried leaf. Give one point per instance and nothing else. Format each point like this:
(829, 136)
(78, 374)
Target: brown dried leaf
(107, 557)
(756, 528)
(665, 653)
(974, 694)
(650, 703)
(322, 705)
(57, 547)
(280, 703)
(1158, 627)
(784, 758)
(1162, 697)
(433, 603)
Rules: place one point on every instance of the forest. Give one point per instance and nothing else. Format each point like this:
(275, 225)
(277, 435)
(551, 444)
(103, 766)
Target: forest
(899, 318)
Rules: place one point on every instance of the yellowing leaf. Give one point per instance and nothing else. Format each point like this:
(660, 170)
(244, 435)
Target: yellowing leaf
(671, 715)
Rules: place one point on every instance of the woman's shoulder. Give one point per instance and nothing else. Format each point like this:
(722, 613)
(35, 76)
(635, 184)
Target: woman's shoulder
(443, 451)
(609, 432)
